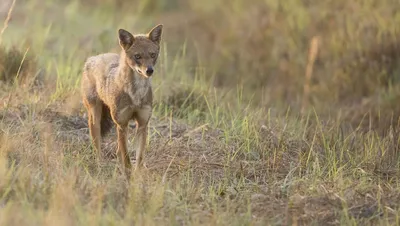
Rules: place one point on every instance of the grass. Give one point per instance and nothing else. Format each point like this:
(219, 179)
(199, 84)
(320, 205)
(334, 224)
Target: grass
(242, 133)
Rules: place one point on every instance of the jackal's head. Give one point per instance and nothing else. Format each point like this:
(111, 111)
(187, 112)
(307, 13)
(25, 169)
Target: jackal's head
(141, 51)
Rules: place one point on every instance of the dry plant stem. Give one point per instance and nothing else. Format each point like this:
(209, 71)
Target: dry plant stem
(7, 21)
(312, 55)
(1, 39)
(20, 65)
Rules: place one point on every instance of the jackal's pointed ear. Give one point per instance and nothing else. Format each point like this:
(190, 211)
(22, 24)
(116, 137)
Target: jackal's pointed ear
(155, 34)
(125, 39)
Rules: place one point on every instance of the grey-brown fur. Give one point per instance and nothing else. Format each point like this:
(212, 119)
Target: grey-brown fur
(119, 86)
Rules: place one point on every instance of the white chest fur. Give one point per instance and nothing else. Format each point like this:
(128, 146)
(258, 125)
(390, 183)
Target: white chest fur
(138, 90)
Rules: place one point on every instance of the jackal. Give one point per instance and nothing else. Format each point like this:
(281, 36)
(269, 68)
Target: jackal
(117, 89)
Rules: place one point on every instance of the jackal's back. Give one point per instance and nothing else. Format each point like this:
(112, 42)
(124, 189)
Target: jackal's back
(97, 70)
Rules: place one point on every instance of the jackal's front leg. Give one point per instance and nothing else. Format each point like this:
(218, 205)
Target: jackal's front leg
(142, 121)
(122, 150)
(141, 134)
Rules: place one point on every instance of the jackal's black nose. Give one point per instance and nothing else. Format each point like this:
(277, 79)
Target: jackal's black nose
(149, 71)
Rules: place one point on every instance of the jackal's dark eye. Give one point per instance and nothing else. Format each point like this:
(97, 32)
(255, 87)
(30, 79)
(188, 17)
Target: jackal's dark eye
(152, 55)
(137, 56)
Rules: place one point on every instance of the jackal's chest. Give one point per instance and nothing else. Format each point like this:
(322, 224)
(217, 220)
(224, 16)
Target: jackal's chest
(134, 97)
(128, 104)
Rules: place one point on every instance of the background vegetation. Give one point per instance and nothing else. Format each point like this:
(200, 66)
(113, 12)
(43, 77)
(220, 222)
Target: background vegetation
(267, 113)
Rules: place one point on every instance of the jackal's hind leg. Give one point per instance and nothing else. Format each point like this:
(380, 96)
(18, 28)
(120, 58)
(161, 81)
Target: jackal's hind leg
(94, 115)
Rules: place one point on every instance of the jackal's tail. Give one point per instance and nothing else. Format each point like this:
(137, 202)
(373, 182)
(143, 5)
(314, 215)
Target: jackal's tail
(106, 122)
